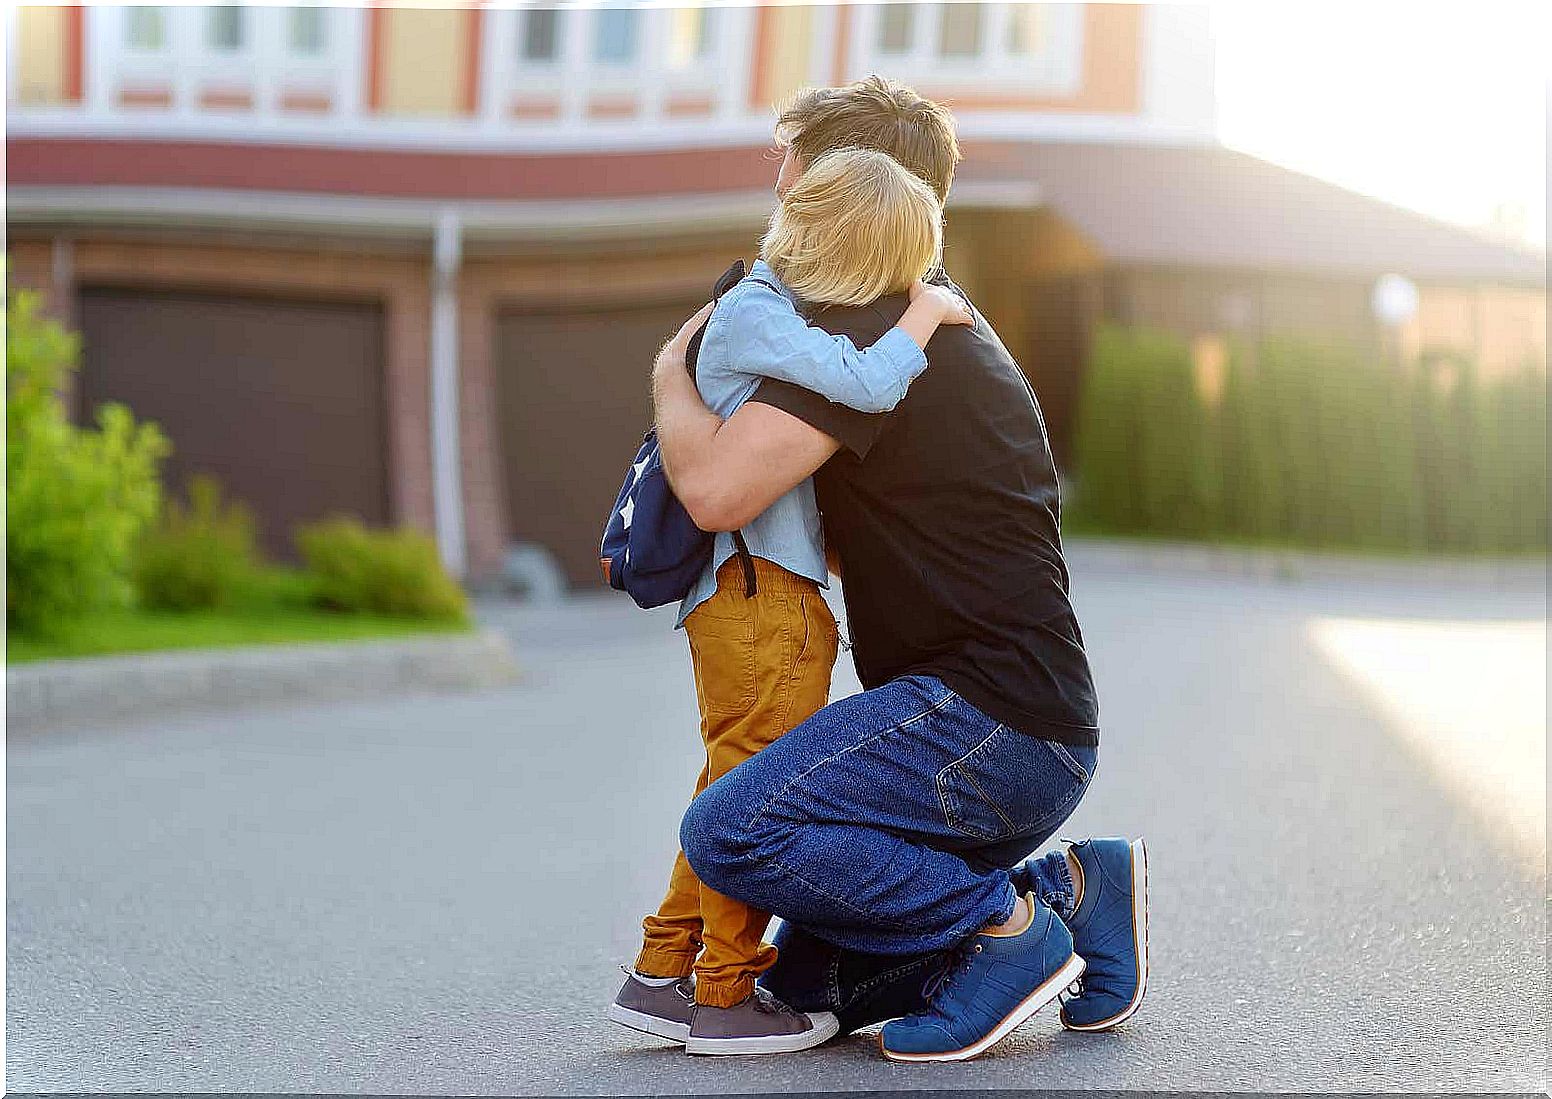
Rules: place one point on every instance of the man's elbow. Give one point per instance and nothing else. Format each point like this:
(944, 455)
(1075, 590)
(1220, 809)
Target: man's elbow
(715, 507)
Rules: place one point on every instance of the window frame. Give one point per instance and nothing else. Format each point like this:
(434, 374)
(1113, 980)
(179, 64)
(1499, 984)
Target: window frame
(981, 39)
(711, 29)
(127, 23)
(245, 29)
(288, 32)
(1055, 70)
(638, 40)
(575, 79)
(557, 42)
(911, 31)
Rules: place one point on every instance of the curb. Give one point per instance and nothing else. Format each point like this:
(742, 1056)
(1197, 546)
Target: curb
(1100, 555)
(57, 693)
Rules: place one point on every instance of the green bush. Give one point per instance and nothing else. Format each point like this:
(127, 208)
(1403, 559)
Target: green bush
(1312, 444)
(1513, 461)
(200, 555)
(1330, 443)
(1144, 443)
(77, 498)
(384, 571)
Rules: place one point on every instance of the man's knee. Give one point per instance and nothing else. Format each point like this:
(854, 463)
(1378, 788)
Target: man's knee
(714, 838)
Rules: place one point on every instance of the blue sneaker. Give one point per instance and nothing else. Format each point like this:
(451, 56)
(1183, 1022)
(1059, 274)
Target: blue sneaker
(988, 986)
(1110, 933)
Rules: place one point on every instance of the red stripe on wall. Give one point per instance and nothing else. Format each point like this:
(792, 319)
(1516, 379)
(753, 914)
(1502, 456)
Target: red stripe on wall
(475, 19)
(144, 97)
(230, 99)
(760, 62)
(687, 106)
(530, 108)
(379, 172)
(306, 102)
(74, 46)
(374, 62)
(839, 61)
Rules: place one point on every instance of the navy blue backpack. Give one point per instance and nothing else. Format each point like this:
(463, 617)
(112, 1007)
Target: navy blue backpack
(652, 549)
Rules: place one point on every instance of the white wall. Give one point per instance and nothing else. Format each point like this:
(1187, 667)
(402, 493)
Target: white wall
(1179, 68)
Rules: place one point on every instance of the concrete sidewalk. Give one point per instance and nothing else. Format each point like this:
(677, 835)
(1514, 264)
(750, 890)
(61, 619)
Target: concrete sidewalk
(1161, 558)
(58, 694)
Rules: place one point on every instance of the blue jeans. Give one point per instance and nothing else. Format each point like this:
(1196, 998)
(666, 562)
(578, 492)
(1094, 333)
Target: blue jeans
(884, 826)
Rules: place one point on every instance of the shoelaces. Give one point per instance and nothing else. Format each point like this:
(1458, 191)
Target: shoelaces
(958, 961)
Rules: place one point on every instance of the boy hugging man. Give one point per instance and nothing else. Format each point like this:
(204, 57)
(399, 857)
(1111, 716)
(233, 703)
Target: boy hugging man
(855, 227)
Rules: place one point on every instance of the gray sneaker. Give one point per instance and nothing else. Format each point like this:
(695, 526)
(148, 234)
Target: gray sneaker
(664, 1011)
(760, 1024)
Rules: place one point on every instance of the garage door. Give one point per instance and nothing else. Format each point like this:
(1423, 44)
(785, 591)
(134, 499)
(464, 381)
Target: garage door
(283, 401)
(574, 404)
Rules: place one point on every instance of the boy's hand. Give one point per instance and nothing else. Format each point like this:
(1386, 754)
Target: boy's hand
(952, 309)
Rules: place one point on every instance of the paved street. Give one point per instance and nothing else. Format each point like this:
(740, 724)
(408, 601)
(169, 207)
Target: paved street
(431, 895)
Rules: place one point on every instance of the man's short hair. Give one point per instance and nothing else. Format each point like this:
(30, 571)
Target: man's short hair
(874, 114)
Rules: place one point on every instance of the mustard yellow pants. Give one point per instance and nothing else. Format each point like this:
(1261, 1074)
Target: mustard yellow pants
(762, 665)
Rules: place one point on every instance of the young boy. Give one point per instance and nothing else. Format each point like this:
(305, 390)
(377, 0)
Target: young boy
(855, 227)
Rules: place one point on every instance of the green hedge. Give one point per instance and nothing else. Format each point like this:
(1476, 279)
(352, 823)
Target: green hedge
(77, 498)
(200, 555)
(396, 572)
(1311, 444)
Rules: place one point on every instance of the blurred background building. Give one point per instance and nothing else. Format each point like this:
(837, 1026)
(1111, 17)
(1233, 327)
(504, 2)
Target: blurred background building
(414, 263)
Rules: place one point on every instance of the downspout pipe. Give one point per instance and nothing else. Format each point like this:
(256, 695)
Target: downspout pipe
(446, 464)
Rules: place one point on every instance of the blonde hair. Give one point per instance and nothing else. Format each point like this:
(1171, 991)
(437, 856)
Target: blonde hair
(855, 226)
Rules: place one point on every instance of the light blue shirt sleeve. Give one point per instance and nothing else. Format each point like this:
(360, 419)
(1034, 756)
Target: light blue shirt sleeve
(771, 340)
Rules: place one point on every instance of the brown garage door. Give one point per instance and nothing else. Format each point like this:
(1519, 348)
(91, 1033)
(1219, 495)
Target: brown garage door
(281, 400)
(574, 404)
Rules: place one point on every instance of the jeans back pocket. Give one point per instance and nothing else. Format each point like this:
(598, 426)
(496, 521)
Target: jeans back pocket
(1008, 784)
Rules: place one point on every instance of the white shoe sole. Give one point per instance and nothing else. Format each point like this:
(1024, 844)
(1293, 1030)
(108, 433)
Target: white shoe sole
(825, 1026)
(1032, 1003)
(1139, 936)
(666, 1029)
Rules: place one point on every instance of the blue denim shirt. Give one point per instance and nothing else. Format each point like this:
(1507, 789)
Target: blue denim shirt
(756, 332)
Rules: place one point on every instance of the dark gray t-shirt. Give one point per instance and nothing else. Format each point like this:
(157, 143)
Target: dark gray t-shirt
(945, 516)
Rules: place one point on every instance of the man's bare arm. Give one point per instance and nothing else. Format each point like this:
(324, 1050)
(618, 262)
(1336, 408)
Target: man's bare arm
(727, 472)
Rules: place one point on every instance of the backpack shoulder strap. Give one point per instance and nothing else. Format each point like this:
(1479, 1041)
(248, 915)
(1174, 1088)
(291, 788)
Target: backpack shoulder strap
(731, 278)
(805, 311)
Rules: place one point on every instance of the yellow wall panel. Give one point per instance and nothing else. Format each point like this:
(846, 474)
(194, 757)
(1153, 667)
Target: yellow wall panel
(40, 55)
(1501, 327)
(1446, 319)
(424, 51)
(788, 59)
(1512, 329)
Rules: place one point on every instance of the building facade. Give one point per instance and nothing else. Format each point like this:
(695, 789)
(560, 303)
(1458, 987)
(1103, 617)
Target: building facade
(414, 263)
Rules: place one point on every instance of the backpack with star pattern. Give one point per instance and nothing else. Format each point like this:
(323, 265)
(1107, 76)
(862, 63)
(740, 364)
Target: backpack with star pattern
(652, 550)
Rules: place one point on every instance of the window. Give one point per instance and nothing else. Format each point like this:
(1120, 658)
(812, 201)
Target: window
(614, 35)
(305, 31)
(540, 39)
(690, 35)
(961, 34)
(224, 27)
(1024, 29)
(145, 28)
(894, 28)
(1033, 48)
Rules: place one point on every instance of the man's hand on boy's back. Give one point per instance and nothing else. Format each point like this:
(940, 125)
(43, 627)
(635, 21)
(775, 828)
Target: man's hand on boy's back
(725, 474)
(672, 355)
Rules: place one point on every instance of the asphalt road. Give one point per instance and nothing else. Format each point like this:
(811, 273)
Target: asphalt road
(431, 895)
